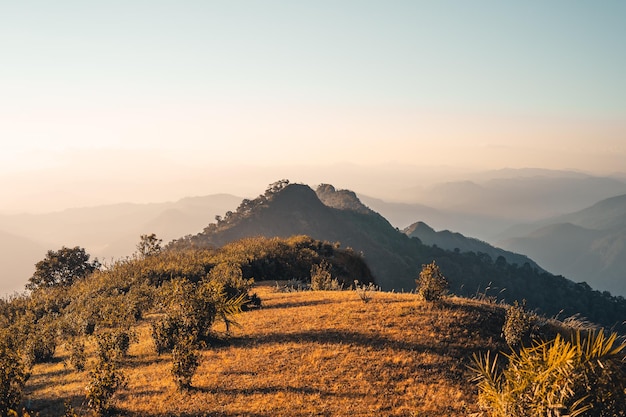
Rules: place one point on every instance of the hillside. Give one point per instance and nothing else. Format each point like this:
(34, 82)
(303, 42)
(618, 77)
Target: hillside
(457, 242)
(588, 245)
(394, 258)
(307, 353)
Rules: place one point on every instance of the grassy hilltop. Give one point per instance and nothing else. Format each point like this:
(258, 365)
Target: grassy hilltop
(306, 353)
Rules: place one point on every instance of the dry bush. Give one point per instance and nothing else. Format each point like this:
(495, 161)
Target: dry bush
(518, 324)
(431, 284)
(321, 278)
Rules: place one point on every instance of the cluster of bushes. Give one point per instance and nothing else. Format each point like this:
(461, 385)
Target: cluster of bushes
(77, 302)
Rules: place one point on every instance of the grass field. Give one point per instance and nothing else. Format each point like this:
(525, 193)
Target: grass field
(313, 353)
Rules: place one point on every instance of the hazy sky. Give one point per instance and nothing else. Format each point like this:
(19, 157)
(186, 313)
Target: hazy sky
(142, 97)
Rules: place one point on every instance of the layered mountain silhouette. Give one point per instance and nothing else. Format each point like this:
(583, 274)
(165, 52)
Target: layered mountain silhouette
(106, 232)
(588, 245)
(396, 259)
(483, 204)
(457, 242)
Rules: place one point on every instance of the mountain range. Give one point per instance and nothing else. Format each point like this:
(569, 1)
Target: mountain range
(394, 258)
(452, 241)
(106, 232)
(588, 245)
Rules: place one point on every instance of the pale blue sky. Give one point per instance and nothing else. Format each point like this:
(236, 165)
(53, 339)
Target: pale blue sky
(481, 84)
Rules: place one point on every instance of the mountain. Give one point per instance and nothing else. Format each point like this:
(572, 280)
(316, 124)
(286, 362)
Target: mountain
(501, 198)
(588, 245)
(448, 240)
(395, 259)
(109, 231)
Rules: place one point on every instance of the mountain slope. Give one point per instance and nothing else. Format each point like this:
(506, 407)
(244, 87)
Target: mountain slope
(455, 241)
(588, 245)
(395, 259)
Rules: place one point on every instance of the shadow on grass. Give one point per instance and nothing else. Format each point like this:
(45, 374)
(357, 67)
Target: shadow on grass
(292, 304)
(271, 390)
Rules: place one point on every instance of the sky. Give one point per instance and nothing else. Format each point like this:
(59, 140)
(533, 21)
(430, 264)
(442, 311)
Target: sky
(139, 100)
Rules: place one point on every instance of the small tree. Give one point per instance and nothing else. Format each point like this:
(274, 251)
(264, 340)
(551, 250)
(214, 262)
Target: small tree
(431, 284)
(61, 268)
(148, 245)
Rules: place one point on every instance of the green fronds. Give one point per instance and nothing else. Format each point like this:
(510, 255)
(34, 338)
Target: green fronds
(581, 376)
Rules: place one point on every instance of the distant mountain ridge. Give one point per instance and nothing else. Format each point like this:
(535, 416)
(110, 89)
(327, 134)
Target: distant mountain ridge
(394, 258)
(588, 245)
(455, 241)
(109, 231)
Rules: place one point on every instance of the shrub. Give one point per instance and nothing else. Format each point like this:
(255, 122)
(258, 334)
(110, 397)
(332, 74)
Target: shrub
(184, 363)
(40, 347)
(13, 377)
(364, 291)
(77, 357)
(583, 376)
(517, 324)
(191, 311)
(431, 284)
(113, 345)
(321, 278)
(104, 380)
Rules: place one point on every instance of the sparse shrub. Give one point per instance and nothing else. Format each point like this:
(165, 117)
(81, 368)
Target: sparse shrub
(104, 380)
(517, 324)
(184, 363)
(431, 284)
(583, 376)
(321, 278)
(364, 291)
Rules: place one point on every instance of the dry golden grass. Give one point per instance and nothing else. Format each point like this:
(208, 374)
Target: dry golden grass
(307, 354)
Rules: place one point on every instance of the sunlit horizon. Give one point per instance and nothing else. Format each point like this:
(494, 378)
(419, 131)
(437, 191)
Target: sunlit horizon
(129, 101)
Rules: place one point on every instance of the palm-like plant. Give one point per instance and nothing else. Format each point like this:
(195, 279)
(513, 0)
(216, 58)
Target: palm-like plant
(581, 376)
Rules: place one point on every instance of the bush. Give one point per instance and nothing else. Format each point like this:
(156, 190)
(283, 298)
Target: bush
(321, 278)
(364, 291)
(583, 376)
(77, 357)
(40, 347)
(113, 345)
(517, 324)
(184, 363)
(104, 380)
(431, 284)
(13, 377)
